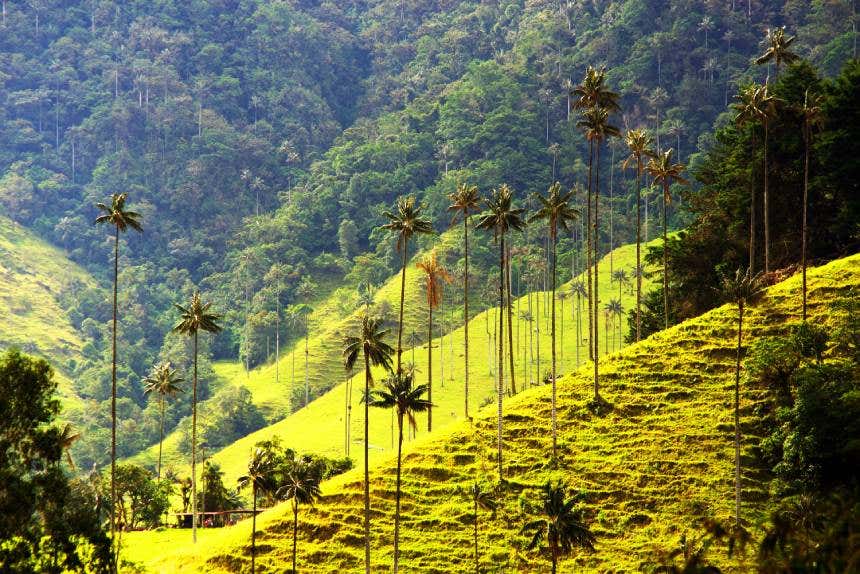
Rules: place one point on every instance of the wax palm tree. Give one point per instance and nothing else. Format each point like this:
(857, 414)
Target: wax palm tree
(164, 382)
(371, 345)
(501, 218)
(778, 48)
(406, 400)
(560, 526)
(193, 319)
(122, 220)
(620, 277)
(405, 222)
(665, 173)
(260, 477)
(592, 93)
(595, 123)
(66, 438)
(435, 275)
(745, 288)
(366, 295)
(302, 313)
(301, 478)
(639, 143)
(615, 312)
(562, 297)
(555, 208)
(482, 499)
(577, 289)
(812, 118)
(465, 202)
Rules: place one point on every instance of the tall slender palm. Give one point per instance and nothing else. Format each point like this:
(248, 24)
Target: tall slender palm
(592, 93)
(614, 312)
(435, 275)
(66, 438)
(406, 400)
(501, 218)
(193, 319)
(482, 499)
(560, 525)
(639, 143)
(464, 202)
(122, 220)
(743, 289)
(577, 289)
(260, 477)
(371, 345)
(812, 118)
(555, 208)
(164, 382)
(405, 222)
(303, 312)
(620, 277)
(595, 123)
(665, 173)
(301, 485)
(778, 48)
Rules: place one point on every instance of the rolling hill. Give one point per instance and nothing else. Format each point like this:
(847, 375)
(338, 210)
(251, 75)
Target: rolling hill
(658, 459)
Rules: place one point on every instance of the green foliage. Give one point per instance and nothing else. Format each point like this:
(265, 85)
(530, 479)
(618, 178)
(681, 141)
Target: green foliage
(141, 499)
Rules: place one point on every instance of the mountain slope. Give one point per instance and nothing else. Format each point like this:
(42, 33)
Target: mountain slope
(661, 457)
(34, 276)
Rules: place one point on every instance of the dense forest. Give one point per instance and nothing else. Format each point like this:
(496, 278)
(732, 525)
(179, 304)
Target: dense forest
(261, 142)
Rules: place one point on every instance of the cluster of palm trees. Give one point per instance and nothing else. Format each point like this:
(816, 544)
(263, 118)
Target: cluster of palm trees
(164, 381)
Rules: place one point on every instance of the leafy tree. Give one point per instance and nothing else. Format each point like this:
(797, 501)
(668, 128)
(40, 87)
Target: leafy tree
(743, 289)
(165, 383)
(259, 477)
(639, 142)
(193, 319)
(434, 277)
(501, 218)
(665, 173)
(141, 499)
(371, 345)
(121, 219)
(464, 202)
(406, 400)
(405, 222)
(560, 525)
(555, 208)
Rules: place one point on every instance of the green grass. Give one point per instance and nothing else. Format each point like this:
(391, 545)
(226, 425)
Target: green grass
(33, 274)
(660, 457)
(321, 425)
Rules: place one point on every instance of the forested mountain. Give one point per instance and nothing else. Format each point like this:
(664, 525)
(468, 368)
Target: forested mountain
(261, 140)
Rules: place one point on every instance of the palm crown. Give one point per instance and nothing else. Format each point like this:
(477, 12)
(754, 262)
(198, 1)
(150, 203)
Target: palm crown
(117, 215)
(260, 473)
(556, 209)
(163, 381)
(592, 92)
(196, 317)
(559, 524)
(754, 104)
(399, 393)
(778, 51)
(434, 277)
(595, 124)
(302, 479)
(664, 171)
(371, 342)
(407, 220)
(502, 216)
(639, 143)
(743, 288)
(465, 201)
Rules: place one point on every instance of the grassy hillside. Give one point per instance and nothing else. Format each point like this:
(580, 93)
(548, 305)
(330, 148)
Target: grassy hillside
(659, 458)
(322, 423)
(33, 275)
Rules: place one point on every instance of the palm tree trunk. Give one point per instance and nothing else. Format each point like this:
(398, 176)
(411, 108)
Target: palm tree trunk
(466, 308)
(554, 561)
(589, 253)
(552, 332)
(477, 566)
(397, 493)
(114, 549)
(194, 449)
(803, 240)
(366, 464)
(665, 257)
(430, 366)
(578, 325)
(638, 248)
(161, 438)
(737, 417)
(531, 339)
(254, 530)
(402, 296)
(501, 374)
(766, 214)
(752, 211)
(596, 301)
(510, 307)
(307, 385)
(295, 530)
